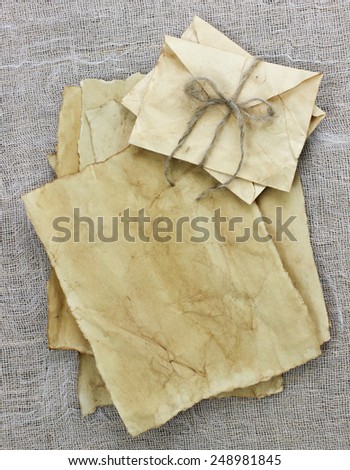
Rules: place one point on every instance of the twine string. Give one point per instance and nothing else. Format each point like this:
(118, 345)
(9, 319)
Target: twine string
(241, 110)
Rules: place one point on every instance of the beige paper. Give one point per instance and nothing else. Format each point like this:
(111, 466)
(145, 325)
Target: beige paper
(143, 310)
(52, 159)
(110, 129)
(293, 107)
(297, 254)
(120, 126)
(63, 331)
(92, 391)
(259, 390)
(294, 254)
(68, 132)
(96, 93)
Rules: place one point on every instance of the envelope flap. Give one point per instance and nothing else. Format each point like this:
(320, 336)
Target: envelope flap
(225, 69)
(207, 35)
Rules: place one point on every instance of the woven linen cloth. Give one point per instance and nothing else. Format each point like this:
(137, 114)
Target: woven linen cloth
(50, 44)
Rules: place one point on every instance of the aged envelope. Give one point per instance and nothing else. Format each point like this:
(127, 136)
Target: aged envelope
(201, 32)
(186, 343)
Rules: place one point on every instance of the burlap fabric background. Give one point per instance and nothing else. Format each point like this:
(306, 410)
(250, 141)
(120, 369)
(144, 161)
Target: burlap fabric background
(50, 44)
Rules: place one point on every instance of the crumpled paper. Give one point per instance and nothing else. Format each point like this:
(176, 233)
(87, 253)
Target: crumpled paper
(271, 151)
(159, 350)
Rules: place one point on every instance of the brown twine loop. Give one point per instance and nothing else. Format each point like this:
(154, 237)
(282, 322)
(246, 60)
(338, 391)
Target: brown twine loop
(241, 111)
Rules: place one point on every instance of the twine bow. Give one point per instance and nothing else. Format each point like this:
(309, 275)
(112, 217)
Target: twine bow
(241, 111)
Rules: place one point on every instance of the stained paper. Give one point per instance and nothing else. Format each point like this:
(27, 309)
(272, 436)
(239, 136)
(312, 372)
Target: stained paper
(164, 338)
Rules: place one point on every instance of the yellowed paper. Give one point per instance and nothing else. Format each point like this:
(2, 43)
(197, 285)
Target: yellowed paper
(68, 132)
(104, 144)
(297, 258)
(52, 159)
(293, 107)
(75, 339)
(93, 393)
(110, 129)
(91, 388)
(296, 253)
(96, 93)
(63, 331)
(260, 390)
(145, 311)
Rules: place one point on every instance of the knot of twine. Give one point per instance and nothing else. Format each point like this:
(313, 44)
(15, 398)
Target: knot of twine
(241, 111)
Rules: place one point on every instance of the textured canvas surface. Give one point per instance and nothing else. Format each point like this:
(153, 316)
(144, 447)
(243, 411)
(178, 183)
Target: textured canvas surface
(50, 44)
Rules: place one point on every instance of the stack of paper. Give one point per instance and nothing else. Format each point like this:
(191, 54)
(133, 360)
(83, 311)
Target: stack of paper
(170, 300)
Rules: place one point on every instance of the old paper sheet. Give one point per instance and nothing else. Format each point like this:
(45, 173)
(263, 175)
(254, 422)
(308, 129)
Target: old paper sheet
(293, 254)
(110, 128)
(63, 331)
(52, 159)
(92, 391)
(248, 325)
(68, 132)
(296, 253)
(96, 93)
